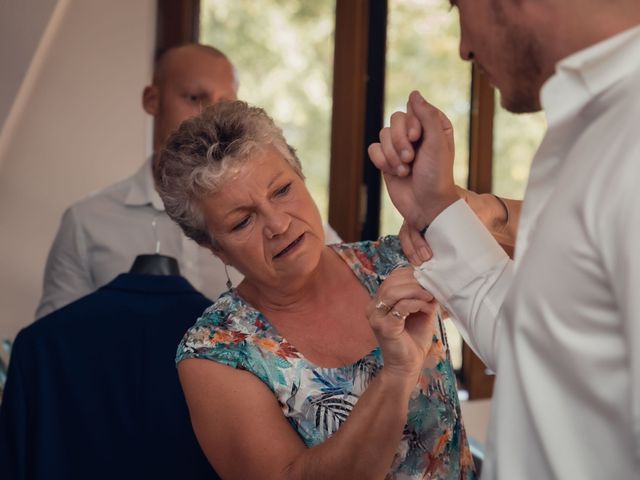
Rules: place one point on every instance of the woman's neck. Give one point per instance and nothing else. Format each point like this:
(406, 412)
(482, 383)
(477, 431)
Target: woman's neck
(297, 295)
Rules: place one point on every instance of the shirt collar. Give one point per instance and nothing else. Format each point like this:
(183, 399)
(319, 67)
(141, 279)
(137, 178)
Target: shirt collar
(142, 190)
(589, 72)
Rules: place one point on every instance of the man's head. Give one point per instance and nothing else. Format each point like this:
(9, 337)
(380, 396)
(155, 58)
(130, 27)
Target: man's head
(496, 36)
(517, 43)
(185, 80)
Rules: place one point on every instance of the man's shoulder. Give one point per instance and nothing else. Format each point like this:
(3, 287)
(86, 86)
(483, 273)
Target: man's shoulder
(112, 196)
(621, 99)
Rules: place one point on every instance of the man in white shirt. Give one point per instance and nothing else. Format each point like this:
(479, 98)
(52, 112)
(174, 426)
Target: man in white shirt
(101, 235)
(561, 324)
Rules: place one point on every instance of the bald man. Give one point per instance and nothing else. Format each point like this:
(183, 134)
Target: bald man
(185, 80)
(101, 235)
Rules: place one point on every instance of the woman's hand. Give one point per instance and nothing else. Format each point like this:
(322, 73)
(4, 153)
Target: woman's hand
(402, 317)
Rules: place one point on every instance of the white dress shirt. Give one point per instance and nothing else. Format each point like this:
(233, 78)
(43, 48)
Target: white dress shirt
(561, 325)
(100, 237)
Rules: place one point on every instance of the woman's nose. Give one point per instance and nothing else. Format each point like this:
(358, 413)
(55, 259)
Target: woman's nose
(276, 222)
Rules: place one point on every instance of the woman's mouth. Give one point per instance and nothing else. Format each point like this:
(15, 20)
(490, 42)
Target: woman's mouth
(289, 247)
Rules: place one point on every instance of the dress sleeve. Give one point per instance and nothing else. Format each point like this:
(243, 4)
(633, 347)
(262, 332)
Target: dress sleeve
(390, 254)
(66, 276)
(208, 340)
(226, 334)
(469, 275)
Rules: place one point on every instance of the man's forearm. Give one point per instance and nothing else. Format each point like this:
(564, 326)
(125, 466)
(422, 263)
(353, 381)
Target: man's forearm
(499, 215)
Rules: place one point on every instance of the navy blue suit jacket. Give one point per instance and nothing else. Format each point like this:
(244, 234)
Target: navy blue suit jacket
(93, 392)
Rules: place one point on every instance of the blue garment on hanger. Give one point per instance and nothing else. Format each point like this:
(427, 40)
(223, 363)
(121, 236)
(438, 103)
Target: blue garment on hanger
(93, 392)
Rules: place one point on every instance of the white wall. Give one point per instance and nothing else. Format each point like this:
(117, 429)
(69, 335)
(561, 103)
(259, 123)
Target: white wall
(71, 123)
(21, 25)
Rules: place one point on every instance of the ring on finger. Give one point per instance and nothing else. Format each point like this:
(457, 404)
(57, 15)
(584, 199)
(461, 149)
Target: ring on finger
(398, 315)
(383, 307)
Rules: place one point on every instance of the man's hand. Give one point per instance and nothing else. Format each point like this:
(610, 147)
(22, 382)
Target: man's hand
(416, 156)
(414, 245)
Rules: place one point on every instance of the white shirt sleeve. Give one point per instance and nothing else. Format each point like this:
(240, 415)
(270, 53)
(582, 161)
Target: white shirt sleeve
(67, 276)
(469, 275)
(619, 246)
(330, 235)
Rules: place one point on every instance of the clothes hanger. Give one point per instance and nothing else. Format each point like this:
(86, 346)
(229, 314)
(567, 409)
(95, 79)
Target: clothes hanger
(155, 264)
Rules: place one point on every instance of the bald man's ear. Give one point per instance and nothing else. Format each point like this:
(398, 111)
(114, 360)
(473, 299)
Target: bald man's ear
(151, 99)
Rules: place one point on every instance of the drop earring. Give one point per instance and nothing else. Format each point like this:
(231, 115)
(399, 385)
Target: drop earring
(229, 284)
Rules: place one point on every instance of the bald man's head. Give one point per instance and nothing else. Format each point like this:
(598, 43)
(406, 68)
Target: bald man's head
(185, 80)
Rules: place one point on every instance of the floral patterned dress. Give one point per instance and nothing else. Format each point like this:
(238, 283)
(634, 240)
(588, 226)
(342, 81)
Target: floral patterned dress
(315, 400)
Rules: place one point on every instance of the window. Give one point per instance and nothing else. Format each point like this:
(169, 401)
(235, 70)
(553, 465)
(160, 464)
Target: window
(515, 140)
(422, 54)
(431, 65)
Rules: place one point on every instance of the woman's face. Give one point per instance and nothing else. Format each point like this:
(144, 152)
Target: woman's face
(264, 221)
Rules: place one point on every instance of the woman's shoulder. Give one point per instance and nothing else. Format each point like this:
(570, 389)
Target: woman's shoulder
(220, 332)
(379, 257)
(233, 333)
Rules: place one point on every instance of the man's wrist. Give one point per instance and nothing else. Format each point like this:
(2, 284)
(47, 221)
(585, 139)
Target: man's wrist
(502, 217)
(427, 217)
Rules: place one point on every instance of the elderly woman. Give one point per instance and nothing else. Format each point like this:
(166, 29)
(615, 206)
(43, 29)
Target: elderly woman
(325, 361)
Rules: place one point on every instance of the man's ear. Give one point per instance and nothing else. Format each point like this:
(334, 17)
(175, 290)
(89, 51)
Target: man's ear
(151, 99)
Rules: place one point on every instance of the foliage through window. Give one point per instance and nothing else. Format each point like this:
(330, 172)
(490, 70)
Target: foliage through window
(422, 54)
(283, 51)
(515, 140)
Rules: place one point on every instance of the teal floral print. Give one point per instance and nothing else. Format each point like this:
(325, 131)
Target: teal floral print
(317, 401)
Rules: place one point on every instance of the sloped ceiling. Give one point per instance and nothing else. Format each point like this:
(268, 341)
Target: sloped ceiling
(22, 25)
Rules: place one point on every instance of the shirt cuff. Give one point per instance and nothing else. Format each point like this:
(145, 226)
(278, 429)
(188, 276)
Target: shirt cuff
(462, 250)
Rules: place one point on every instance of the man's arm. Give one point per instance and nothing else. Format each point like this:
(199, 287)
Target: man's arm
(499, 215)
(330, 235)
(67, 276)
(618, 236)
(469, 273)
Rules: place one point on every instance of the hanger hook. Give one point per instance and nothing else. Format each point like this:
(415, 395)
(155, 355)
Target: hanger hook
(154, 224)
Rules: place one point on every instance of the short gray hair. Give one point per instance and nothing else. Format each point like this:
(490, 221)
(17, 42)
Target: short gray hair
(197, 157)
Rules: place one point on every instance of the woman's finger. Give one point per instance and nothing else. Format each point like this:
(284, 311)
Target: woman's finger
(400, 285)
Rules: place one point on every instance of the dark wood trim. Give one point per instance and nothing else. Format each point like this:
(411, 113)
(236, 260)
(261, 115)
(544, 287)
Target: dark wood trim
(481, 133)
(348, 117)
(374, 115)
(177, 22)
(474, 376)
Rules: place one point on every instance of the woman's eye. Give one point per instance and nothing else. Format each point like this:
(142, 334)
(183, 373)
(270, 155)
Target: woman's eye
(243, 223)
(283, 190)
